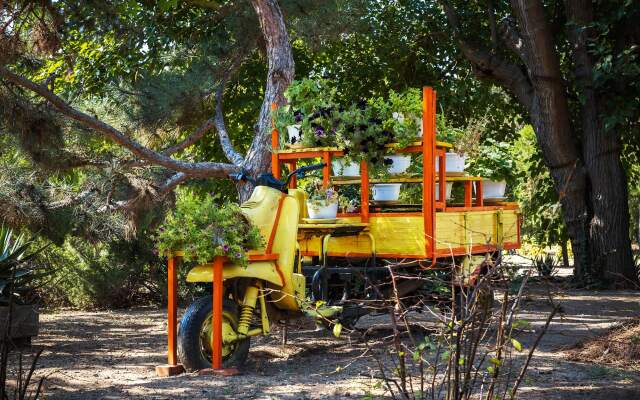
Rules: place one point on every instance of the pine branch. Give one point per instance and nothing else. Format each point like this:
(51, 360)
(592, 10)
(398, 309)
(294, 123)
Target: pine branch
(197, 169)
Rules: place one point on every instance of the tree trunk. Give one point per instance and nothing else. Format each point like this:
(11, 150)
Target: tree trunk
(279, 77)
(549, 114)
(565, 254)
(610, 245)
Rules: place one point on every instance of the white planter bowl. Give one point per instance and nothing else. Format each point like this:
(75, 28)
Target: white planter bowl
(339, 168)
(400, 163)
(493, 190)
(455, 163)
(323, 212)
(386, 191)
(449, 187)
(295, 136)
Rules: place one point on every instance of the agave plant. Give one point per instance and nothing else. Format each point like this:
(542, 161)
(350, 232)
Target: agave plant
(16, 270)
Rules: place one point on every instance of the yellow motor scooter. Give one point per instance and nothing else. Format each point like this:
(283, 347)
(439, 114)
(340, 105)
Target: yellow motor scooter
(270, 287)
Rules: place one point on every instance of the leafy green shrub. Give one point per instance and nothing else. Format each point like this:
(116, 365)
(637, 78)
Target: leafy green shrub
(203, 230)
(493, 160)
(98, 275)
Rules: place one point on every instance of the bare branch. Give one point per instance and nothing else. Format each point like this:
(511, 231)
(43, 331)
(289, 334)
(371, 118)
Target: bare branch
(197, 169)
(172, 182)
(491, 10)
(225, 142)
(489, 65)
(191, 139)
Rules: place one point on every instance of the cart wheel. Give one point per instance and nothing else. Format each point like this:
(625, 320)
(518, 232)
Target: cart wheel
(194, 336)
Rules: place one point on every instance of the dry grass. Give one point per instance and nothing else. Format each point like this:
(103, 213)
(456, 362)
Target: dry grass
(620, 346)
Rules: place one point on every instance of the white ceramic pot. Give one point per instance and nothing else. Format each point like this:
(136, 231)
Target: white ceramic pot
(449, 187)
(322, 212)
(339, 168)
(399, 165)
(455, 163)
(293, 131)
(386, 191)
(493, 190)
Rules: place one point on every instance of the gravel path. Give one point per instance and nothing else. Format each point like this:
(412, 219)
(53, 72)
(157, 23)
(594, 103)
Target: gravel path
(112, 355)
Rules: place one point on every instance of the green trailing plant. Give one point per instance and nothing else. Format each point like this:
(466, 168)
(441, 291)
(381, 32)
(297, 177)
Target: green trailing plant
(401, 114)
(363, 137)
(203, 230)
(492, 161)
(17, 271)
(313, 108)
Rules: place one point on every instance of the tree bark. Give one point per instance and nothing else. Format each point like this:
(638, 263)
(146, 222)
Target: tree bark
(610, 248)
(281, 70)
(549, 114)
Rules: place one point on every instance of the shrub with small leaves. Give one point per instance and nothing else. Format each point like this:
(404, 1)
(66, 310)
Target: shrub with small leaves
(203, 230)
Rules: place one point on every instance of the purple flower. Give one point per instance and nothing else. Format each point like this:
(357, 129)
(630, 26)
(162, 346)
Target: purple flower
(161, 229)
(238, 255)
(330, 193)
(225, 248)
(155, 251)
(319, 131)
(297, 115)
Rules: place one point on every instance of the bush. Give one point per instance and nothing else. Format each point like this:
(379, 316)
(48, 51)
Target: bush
(115, 275)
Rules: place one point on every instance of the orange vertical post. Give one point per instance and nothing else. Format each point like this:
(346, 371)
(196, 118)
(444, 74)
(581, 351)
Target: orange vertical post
(428, 168)
(442, 178)
(326, 171)
(172, 367)
(468, 193)
(275, 143)
(172, 311)
(364, 191)
(479, 194)
(216, 325)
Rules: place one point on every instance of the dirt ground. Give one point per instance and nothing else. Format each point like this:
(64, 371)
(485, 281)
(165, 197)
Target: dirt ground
(112, 355)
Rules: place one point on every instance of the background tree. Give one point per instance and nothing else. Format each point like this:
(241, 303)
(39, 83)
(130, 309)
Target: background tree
(570, 65)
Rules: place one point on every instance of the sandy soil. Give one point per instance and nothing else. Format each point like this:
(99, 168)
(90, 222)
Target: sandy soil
(112, 355)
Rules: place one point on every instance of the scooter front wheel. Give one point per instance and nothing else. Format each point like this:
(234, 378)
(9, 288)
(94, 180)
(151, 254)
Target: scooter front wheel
(194, 336)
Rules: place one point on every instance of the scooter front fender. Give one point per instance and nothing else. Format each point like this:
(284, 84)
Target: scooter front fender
(264, 270)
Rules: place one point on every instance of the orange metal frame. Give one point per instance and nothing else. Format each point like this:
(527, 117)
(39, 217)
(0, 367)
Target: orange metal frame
(432, 153)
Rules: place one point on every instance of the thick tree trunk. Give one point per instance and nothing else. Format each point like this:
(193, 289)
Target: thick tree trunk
(549, 114)
(610, 244)
(279, 77)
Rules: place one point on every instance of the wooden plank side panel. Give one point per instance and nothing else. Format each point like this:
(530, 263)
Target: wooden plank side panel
(393, 235)
(404, 235)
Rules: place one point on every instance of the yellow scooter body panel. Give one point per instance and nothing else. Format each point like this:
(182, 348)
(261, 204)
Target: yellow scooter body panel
(261, 210)
(265, 270)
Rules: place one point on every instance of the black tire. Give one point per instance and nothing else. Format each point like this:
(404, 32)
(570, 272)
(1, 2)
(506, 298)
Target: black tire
(193, 350)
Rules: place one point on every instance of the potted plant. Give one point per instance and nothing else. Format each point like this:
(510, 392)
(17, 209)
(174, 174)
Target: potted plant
(342, 167)
(322, 202)
(492, 161)
(203, 230)
(18, 313)
(465, 141)
(289, 121)
(311, 117)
